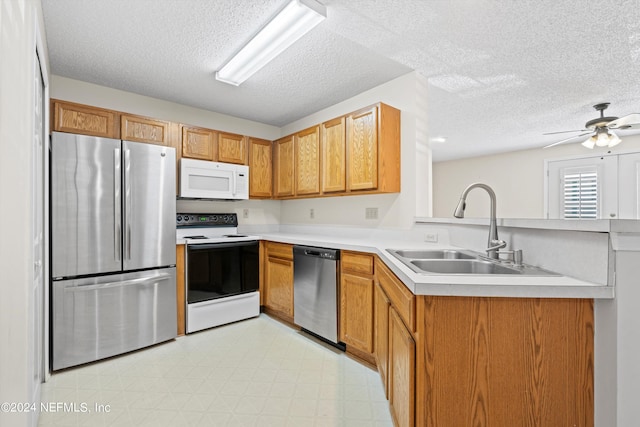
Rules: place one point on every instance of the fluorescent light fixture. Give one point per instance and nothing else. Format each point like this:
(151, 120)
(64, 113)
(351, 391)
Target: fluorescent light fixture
(294, 21)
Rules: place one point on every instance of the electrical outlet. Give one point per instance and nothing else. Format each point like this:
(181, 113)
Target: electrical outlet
(371, 213)
(431, 237)
(312, 213)
(245, 213)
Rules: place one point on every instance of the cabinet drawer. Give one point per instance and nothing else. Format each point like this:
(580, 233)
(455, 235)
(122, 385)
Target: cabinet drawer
(279, 250)
(401, 298)
(355, 262)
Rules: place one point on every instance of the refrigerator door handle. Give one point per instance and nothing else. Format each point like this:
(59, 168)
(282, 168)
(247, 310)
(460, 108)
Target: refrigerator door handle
(131, 282)
(127, 202)
(117, 214)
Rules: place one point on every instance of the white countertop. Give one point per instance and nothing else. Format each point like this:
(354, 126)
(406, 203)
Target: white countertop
(452, 285)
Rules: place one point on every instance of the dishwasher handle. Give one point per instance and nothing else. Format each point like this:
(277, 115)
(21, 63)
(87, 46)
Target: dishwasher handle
(309, 251)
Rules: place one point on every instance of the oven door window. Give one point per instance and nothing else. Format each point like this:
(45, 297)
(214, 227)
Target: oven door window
(221, 269)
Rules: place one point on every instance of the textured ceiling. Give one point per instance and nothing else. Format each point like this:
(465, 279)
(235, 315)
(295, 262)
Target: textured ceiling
(500, 72)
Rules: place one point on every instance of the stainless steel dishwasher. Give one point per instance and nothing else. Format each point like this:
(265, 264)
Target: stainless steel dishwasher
(315, 291)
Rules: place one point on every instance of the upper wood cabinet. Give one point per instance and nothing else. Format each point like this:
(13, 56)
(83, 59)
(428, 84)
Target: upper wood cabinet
(284, 167)
(358, 153)
(260, 168)
(232, 148)
(198, 143)
(307, 161)
(144, 129)
(362, 146)
(373, 149)
(333, 155)
(83, 119)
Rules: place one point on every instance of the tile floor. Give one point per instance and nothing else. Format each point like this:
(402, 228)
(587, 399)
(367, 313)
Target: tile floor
(258, 372)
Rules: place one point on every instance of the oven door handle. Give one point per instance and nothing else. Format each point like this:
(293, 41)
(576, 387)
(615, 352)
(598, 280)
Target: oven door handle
(206, 246)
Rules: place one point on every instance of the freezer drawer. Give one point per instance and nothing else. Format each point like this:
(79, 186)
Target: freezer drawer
(99, 317)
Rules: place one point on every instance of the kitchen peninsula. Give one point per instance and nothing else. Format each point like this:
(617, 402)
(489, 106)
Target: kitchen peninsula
(489, 337)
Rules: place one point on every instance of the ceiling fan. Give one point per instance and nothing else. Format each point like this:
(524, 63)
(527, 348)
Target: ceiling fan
(600, 129)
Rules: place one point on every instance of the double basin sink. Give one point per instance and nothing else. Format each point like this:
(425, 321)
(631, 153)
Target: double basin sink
(449, 261)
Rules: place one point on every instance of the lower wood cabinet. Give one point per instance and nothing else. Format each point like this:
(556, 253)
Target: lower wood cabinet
(395, 345)
(356, 304)
(507, 361)
(278, 276)
(402, 369)
(381, 306)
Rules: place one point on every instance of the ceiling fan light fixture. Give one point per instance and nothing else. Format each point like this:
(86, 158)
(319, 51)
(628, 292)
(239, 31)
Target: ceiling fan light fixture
(589, 142)
(602, 140)
(288, 26)
(614, 139)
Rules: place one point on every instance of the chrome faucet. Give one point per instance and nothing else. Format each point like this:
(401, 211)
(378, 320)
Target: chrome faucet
(493, 244)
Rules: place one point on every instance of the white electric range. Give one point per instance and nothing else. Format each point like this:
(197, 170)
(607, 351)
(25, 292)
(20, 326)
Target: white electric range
(221, 270)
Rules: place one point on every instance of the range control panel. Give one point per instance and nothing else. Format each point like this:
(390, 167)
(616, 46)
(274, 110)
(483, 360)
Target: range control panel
(206, 220)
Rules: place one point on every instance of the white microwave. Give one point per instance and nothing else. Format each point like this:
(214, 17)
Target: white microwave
(201, 179)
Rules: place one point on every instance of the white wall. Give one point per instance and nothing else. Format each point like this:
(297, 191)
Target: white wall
(408, 94)
(101, 96)
(517, 178)
(18, 21)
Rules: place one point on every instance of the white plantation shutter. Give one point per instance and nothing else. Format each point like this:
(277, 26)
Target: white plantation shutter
(580, 193)
(582, 188)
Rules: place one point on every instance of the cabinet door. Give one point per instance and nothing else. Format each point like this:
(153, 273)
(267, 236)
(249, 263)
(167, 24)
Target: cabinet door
(284, 167)
(279, 285)
(362, 147)
(144, 129)
(402, 360)
(198, 143)
(333, 156)
(82, 119)
(232, 148)
(260, 168)
(381, 335)
(307, 155)
(356, 312)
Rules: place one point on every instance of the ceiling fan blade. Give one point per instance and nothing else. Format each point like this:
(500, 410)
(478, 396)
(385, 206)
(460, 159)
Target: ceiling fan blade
(626, 122)
(565, 131)
(567, 140)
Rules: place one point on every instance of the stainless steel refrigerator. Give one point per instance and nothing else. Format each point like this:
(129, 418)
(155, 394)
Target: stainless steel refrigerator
(113, 208)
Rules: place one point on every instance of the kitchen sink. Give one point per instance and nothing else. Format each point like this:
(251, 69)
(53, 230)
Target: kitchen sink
(460, 261)
(433, 254)
(462, 266)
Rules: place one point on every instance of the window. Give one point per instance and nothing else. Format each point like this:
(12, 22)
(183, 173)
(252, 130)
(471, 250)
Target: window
(598, 187)
(583, 188)
(580, 195)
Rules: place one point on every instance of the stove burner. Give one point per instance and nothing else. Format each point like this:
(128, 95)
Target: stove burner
(235, 235)
(195, 237)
